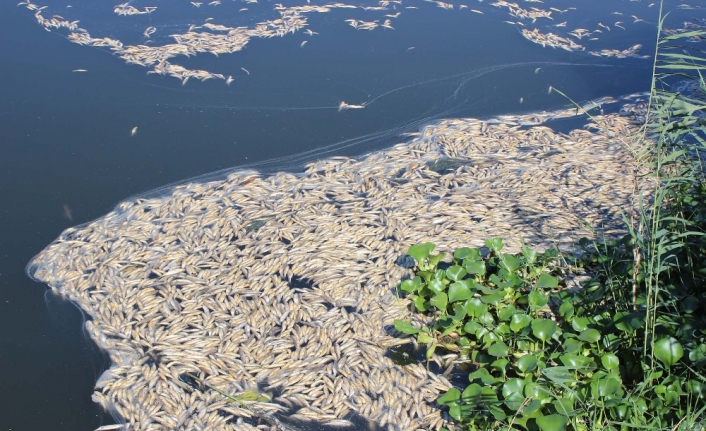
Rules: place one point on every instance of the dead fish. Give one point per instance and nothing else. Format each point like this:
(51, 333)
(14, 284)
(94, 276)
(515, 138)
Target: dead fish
(67, 213)
(133, 131)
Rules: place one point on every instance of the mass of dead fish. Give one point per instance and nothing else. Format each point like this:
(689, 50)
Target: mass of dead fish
(283, 285)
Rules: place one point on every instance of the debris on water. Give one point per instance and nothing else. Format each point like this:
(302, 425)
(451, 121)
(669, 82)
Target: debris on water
(446, 164)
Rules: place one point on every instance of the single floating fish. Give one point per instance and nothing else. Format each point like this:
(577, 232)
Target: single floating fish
(79, 70)
(133, 131)
(345, 105)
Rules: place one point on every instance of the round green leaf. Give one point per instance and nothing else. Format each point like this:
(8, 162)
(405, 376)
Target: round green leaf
(405, 327)
(420, 251)
(552, 422)
(509, 262)
(498, 349)
(513, 386)
(459, 292)
(475, 307)
(436, 285)
(698, 353)
(571, 360)
(514, 401)
(506, 313)
(471, 393)
(440, 301)
(566, 310)
(474, 267)
(411, 286)
(537, 299)
(455, 272)
(580, 324)
(495, 244)
(453, 396)
(519, 321)
(605, 387)
(590, 336)
(668, 351)
(610, 361)
(543, 328)
(546, 281)
(572, 345)
(467, 253)
(527, 363)
(536, 391)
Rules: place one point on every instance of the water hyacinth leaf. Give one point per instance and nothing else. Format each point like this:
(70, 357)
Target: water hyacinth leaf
(405, 327)
(514, 401)
(519, 322)
(456, 412)
(435, 259)
(552, 422)
(472, 327)
(495, 244)
(411, 286)
(572, 360)
(430, 350)
(500, 365)
(668, 351)
(483, 375)
(610, 361)
(474, 267)
(420, 303)
(531, 407)
(537, 299)
(590, 336)
(509, 262)
(513, 386)
(486, 319)
(536, 391)
(629, 321)
(543, 328)
(547, 281)
(467, 253)
(529, 254)
(455, 272)
(506, 313)
(459, 313)
(424, 338)
(440, 301)
(420, 251)
(527, 363)
(580, 324)
(697, 388)
(563, 406)
(459, 292)
(566, 310)
(475, 307)
(572, 345)
(453, 396)
(698, 353)
(493, 299)
(605, 387)
(436, 285)
(498, 348)
(472, 393)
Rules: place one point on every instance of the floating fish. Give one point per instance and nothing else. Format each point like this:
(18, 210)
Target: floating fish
(133, 131)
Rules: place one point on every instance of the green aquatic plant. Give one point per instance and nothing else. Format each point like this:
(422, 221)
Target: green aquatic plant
(540, 355)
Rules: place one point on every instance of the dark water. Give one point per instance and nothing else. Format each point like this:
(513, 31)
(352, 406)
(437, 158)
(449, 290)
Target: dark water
(67, 150)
